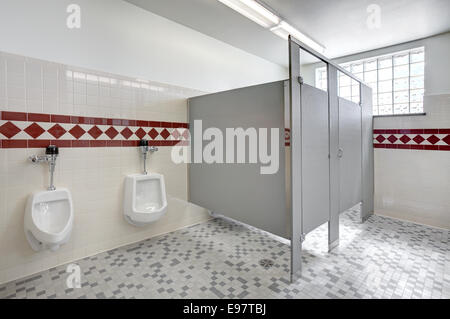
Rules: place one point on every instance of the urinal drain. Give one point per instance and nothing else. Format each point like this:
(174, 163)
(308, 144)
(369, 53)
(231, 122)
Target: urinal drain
(266, 263)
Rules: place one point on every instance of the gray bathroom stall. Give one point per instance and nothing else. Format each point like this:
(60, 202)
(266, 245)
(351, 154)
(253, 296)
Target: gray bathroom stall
(239, 190)
(324, 150)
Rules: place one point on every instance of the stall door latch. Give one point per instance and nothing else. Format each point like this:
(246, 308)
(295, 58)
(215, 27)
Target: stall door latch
(340, 152)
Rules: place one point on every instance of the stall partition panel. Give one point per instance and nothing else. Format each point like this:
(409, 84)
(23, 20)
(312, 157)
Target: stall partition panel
(333, 106)
(295, 118)
(367, 153)
(350, 150)
(240, 191)
(315, 160)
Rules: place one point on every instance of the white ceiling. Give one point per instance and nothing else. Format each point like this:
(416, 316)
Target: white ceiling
(339, 25)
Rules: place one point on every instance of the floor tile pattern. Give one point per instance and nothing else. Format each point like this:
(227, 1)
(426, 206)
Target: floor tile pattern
(382, 258)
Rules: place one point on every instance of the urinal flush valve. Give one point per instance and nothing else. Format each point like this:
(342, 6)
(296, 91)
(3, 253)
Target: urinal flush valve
(51, 153)
(143, 144)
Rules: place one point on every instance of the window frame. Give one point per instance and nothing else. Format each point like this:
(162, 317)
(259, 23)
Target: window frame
(394, 67)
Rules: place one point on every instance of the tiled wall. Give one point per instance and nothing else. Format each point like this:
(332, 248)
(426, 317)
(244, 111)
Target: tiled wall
(46, 94)
(412, 164)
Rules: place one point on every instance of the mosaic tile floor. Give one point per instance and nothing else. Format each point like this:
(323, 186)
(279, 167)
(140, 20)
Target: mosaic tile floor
(383, 258)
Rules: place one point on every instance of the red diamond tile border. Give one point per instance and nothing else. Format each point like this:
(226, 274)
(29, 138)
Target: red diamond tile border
(446, 139)
(153, 133)
(176, 134)
(57, 131)
(95, 132)
(9, 130)
(86, 131)
(392, 139)
(429, 139)
(126, 132)
(140, 133)
(109, 132)
(380, 138)
(433, 139)
(165, 134)
(405, 139)
(418, 139)
(34, 130)
(77, 132)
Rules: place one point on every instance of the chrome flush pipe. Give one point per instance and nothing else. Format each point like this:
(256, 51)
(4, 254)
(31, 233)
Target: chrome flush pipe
(143, 144)
(145, 163)
(51, 154)
(52, 164)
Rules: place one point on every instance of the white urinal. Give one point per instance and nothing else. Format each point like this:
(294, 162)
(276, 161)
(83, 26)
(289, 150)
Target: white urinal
(144, 199)
(49, 219)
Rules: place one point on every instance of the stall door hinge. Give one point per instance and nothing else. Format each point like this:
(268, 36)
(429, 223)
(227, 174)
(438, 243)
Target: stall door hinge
(300, 80)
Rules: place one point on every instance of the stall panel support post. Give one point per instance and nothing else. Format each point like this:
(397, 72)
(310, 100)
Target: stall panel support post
(333, 122)
(296, 160)
(367, 207)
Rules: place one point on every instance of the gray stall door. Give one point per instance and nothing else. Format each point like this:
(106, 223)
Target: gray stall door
(350, 162)
(315, 161)
(240, 191)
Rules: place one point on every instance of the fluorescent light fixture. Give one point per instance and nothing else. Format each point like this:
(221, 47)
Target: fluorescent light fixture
(266, 18)
(262, 10)
(284, 29)
(254, 11)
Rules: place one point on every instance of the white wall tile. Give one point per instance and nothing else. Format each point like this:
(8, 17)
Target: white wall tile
(95, 176)
(414, 184)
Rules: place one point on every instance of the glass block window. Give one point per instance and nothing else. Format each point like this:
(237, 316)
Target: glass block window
(348, 87)
(397, 81)
(321, 78)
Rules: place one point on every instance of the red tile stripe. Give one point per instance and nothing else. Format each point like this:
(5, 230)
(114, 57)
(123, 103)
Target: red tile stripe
(287, 137)
(29, 130)
(83, 143)
(434, 139)
(56, 118)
